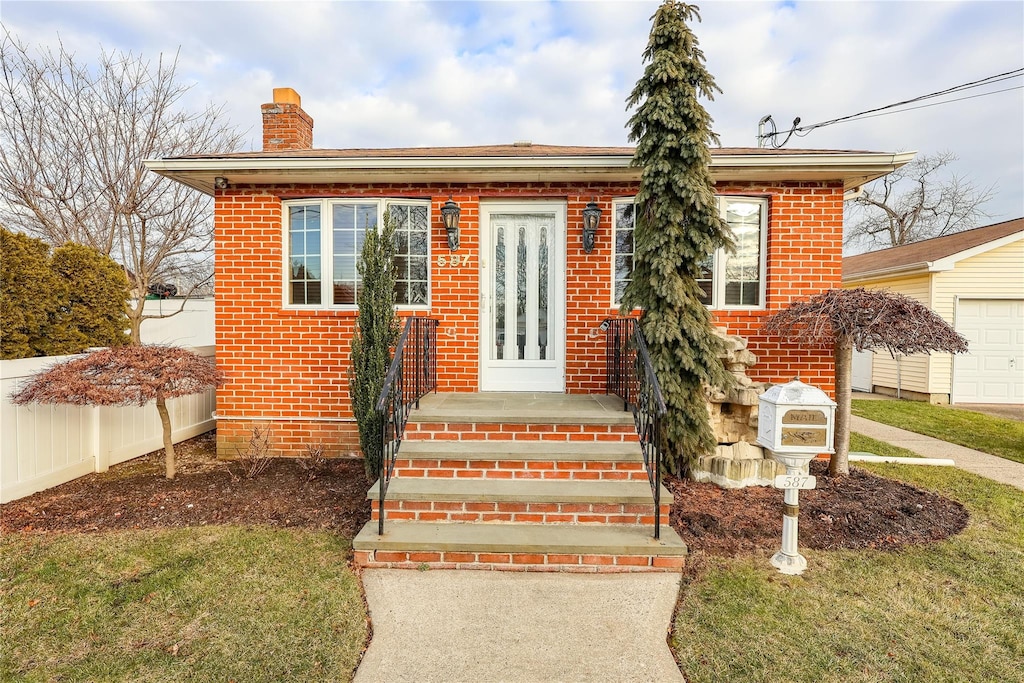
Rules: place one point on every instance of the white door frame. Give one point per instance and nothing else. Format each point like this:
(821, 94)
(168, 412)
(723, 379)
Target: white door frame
(523, 375)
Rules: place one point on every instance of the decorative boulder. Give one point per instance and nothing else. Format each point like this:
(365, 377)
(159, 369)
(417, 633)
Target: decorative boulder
(737, 461)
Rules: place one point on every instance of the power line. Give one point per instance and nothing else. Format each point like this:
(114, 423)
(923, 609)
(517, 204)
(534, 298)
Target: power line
(923, 106)
(763, 137)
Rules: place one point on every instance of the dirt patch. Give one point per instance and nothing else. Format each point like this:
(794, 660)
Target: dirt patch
(859, 511)
(136, 495)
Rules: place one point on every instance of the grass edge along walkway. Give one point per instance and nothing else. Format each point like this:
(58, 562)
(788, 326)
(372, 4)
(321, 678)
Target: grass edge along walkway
(201, 603)
(985, 433)
(945, 611)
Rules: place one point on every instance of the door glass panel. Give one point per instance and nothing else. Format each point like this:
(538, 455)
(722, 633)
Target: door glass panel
(497, 352)
(521, 293)
(542, 286)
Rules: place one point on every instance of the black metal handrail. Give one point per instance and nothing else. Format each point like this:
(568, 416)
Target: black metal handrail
(630, 376)
(412, 374)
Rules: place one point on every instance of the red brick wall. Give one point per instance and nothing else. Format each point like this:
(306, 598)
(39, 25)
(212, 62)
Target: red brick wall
(287, 368)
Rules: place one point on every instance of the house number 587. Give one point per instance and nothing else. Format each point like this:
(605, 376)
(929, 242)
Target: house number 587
(455, 260)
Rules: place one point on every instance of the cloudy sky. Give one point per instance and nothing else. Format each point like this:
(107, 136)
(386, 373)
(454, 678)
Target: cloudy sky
(461, 73)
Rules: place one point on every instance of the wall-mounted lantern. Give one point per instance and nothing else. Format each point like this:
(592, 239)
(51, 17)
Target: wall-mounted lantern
(450, 217)
(591, 217)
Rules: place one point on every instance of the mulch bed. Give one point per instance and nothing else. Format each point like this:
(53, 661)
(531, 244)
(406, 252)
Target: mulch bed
(136, 495)
(859, 511)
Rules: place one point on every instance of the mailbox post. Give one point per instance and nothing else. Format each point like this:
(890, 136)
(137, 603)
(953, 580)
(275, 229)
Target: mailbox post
(795, 423)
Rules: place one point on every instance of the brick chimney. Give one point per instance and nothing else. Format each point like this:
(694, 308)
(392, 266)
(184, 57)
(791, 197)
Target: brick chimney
(285, 125)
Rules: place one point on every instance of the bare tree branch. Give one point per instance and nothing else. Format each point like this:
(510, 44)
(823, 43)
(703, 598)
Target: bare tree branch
(72, 141)
(915, 203)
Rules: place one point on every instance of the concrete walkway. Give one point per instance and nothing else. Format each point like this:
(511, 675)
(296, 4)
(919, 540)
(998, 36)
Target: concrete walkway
(478, 626)
(991, 466)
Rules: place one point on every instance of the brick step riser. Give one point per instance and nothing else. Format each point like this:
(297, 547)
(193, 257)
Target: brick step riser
(520, 562)
(483, 431)
(520, 469)
(523, 513)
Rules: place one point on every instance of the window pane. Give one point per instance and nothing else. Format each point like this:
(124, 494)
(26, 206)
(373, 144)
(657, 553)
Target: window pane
(411, 248)
(743, 274)
(706, 281)
(349, 222)
(418, 293)
(418, 269)
(624, 217)
(304, 254)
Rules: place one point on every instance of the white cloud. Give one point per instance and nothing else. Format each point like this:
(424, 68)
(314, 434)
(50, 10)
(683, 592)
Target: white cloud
(419, 73)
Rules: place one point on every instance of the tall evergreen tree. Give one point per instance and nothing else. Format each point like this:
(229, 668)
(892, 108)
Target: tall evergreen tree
(376, 333)
(677, 228)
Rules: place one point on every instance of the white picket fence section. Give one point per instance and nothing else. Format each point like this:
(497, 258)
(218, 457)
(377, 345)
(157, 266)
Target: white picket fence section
(43, 446)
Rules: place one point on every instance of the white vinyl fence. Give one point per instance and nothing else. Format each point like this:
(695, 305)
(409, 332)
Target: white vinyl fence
(43, 445)
(192, 326)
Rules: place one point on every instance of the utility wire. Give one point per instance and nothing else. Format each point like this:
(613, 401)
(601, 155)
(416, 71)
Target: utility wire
(800, 131)
(870, 113)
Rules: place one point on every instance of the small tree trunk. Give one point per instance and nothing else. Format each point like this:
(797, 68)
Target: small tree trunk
(165, 421)
(135, 319)
(840, 463)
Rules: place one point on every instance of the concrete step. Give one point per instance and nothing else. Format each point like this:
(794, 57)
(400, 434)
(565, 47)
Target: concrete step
(522, 408)
(521, 547)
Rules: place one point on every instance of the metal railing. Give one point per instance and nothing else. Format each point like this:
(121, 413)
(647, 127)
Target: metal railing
(413, 373)
(630, 376)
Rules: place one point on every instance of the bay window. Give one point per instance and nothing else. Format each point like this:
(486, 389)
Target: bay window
(324, 240)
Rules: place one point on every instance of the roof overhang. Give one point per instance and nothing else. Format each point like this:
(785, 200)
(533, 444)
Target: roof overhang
(852, 169)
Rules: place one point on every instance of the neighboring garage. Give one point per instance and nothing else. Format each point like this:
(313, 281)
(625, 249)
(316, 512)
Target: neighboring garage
(975, 281)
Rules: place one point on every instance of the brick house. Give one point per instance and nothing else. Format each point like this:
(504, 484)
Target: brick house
(520, 299)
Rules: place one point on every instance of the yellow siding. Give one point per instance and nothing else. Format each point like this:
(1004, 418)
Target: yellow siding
(913, 371)
(993, 275)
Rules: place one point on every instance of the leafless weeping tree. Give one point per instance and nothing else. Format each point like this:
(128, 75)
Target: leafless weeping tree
(72, 140)
(913, 203)
(127, 375)
(848, 319)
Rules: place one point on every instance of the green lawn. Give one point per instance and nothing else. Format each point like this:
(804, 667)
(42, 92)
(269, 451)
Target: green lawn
(198, 604)
(994, 435)
(948, 611)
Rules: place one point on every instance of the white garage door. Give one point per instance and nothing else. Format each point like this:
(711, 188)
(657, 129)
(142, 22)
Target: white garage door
(993, 369)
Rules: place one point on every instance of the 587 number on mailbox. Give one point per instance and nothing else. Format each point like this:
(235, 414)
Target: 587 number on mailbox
(795, 481)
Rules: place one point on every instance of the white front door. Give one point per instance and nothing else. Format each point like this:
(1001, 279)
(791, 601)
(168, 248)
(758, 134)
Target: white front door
(522, 270)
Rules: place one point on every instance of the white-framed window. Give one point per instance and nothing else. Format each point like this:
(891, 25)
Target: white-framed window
(324, 239)
(728, 280)
(623, 217)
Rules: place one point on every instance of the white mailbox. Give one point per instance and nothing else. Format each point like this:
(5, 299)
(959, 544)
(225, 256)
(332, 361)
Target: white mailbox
(797, 419)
